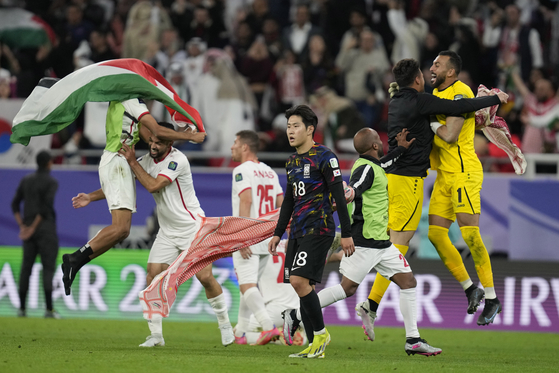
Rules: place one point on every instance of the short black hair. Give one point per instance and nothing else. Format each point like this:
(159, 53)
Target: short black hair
(405, 71)
(43, 158)
(250, 138)
(167, 125)
(307, 115)
(454, 59)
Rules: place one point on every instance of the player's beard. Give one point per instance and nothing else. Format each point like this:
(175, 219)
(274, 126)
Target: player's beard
(438, 81)
(158, 155)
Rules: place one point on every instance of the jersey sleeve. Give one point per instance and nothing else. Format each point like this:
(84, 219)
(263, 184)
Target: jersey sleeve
(330, 168)
(135, 107)
(173, 168)
(241, 180)
(362, 179)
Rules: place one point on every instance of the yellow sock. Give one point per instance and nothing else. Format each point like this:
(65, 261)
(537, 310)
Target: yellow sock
(479, 254)
(381, 284)
(448, 253)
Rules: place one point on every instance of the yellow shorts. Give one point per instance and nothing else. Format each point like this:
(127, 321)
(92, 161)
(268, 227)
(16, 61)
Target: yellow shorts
(405, 199)
(456, 192)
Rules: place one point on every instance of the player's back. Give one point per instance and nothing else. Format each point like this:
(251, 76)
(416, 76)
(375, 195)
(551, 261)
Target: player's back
(264, 185)
(459, 156)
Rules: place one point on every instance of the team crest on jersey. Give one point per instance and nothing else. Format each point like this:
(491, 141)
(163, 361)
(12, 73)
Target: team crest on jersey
(239, 177)
(334, 162)
(307, 172)
(458, 97)
(337, 173)
(172, 165)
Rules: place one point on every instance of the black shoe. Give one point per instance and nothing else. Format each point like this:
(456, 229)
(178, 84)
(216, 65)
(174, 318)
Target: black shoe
(474, 297)
(491, 310)
(68, 273)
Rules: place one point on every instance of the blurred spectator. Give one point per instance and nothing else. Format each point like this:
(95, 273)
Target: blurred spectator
(182, 14)
(496, 152)
(224, 100)
(96, 50)
(465, 42)
(360, 66)
(318, 66)
(211, 30)
(169, 51)
(143, 29)
(117, 24)
(244, 37)
(358, 22)
(343, 119)
(257, 67)
(430, 50)
(514, 41)
(5, 84)
(194, 64)
(71, 149)
(296, 37)
(409, 35)
(255, 19)
(541, 115)
(276, 140)
(289, 78)
(176, 78)
(78, 28)
(271, 33)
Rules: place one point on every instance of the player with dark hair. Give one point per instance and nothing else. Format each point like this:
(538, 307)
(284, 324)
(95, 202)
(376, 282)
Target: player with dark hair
(411, 108)
(126, 123)
(37, 229)
(456, 192)
(313, 178)
(166, 174)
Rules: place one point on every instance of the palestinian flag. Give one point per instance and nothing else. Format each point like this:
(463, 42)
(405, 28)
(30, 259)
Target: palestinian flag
(22, 29)
(55, 104)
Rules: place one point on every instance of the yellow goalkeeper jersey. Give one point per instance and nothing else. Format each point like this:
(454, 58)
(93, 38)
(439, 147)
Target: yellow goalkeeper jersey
(460, 156)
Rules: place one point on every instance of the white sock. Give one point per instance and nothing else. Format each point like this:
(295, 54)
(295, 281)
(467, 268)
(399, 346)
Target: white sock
(331, 295)
(252, 337)
(243, 319)
(220, 309)
(490, 293)
(466, 284)
(255, 302)
(409, 311)
(299, 315)
(156, 325)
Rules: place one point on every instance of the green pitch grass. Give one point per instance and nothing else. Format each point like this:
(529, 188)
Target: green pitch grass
(39, 345)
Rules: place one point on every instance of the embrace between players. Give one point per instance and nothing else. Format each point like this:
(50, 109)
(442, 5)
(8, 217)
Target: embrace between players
(384, 194)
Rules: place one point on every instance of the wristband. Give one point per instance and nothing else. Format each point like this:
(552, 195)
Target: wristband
(435, 126)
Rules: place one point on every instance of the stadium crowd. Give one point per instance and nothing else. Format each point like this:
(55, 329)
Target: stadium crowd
(242, 63)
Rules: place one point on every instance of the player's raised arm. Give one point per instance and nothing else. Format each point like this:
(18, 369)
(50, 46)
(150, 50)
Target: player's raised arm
(151, 184)
(167, 134)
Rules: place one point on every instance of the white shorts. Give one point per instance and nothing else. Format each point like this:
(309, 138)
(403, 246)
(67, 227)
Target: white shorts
(387, 262)
(248, 270)
(117, 181)
(166, 250)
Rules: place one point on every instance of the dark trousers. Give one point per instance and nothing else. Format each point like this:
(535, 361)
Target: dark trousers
(44, 243)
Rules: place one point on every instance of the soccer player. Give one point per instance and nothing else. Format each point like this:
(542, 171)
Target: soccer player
(456, 192)
(410, 108)
(368, 185)
(313, 178)
(256, 191)
(166, 175)
(126, 122)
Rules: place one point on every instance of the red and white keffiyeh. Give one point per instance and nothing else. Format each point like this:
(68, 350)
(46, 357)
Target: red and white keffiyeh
(496, 130)
(216, 238)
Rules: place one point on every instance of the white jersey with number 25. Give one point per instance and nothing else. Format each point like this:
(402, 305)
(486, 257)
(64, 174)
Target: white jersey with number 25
(264, 185)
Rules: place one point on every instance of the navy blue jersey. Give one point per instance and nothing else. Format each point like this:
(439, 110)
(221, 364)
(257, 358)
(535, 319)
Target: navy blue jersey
(310, 176)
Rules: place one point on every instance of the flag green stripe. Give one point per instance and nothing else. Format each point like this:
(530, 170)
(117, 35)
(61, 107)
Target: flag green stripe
(24, 37)
(107, 88)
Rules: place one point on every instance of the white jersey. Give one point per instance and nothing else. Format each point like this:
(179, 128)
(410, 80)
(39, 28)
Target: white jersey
(264, 185)
(271, 285)
(177, 205)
